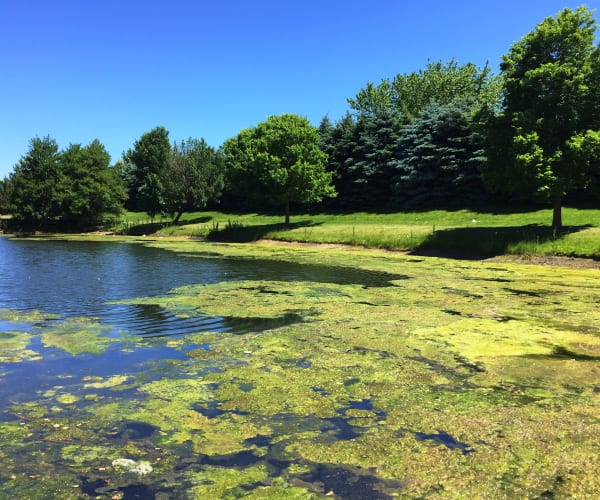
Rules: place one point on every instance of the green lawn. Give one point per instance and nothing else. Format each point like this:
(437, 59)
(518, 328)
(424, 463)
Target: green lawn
(477, 233)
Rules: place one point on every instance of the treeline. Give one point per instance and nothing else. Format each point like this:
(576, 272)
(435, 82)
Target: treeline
(414, 141)
(448, 135)
(52, 189)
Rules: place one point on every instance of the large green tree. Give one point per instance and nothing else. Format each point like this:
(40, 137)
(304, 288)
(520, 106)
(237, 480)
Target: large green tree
(89, 188)
(195, 177)
(69, 189)
(149, 163)
(441, 83)
(539, 141)
(278, 162)
(35, 199)
(5, 195)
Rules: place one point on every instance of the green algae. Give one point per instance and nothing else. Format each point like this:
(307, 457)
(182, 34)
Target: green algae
(13, 348)
(501, 359)
(87, 456)
(25, 317)
(78, 336)
(218, 482)
(67, 399)
(94, 382)
(496, 373)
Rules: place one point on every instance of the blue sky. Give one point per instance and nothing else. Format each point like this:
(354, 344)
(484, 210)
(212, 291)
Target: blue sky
(113, 69)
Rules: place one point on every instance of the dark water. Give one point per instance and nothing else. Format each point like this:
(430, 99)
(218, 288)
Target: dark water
(74, 278)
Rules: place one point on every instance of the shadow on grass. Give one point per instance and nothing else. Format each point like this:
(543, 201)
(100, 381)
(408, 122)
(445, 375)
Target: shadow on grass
(153, 227)
(195, 220)
(560, 352)
(143, 229)
(477, 242)
(482, 208)
(236, 232)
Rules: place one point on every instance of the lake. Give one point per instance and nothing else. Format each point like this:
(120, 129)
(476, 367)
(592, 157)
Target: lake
(68, 340)
(178, 369)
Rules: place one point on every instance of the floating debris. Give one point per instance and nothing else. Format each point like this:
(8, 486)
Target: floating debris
(142, 468)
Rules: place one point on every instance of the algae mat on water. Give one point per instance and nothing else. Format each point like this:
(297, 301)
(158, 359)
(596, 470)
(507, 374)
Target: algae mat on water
(456, 379)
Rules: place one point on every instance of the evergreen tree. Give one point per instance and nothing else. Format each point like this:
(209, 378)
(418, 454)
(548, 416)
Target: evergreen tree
(150, 159)
(369, 173)
(339, 143)
(5, 195)
(34, 199)
(438, 159)
(195, 177)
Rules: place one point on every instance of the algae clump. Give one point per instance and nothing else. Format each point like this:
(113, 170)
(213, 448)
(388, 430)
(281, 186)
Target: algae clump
(78, 336)
(13, 348)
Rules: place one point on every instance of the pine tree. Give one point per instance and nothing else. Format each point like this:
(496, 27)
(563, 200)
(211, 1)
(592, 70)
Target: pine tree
(438, 159)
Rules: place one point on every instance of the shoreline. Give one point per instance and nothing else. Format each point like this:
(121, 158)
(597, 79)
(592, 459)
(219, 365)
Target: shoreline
(539, 260)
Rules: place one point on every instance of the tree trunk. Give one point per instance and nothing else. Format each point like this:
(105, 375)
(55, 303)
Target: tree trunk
(287, 213)
(176, 219)
(556, 214)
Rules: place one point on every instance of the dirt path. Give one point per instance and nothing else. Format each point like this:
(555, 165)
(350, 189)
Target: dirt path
(542, 260)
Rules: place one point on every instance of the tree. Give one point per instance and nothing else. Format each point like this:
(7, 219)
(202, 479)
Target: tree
(35, 181)
(442, 83)
(89, 188)
(438, 159)
(68, 189)
(279, 161)
(127, 173)
(550, 101)
(369, 167)
(195, 176)
(150, 157)
(339, 142)
(5, 195)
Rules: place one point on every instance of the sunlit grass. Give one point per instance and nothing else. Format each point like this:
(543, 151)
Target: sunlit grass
(488, 232)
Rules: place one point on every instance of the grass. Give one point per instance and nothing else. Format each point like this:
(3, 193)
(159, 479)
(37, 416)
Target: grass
(466, 232)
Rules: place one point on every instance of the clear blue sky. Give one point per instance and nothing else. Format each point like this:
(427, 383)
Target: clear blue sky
(113, 69)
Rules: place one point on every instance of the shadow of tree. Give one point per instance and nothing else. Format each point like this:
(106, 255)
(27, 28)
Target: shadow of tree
(153, 227)
(148, 228)
(236, 232)
(478, 242)
(196, 220)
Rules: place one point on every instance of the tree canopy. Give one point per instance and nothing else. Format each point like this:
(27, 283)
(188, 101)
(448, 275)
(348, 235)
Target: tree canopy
(442, 83)
(195, 176)
(438, 159)
(88, 186)
(146, 170)
(35, 199)
(170, 179)
(73, 188)
(539, 141)
(278, 162)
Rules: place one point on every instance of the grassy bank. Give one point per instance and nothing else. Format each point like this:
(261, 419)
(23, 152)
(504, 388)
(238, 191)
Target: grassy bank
(464, 232)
